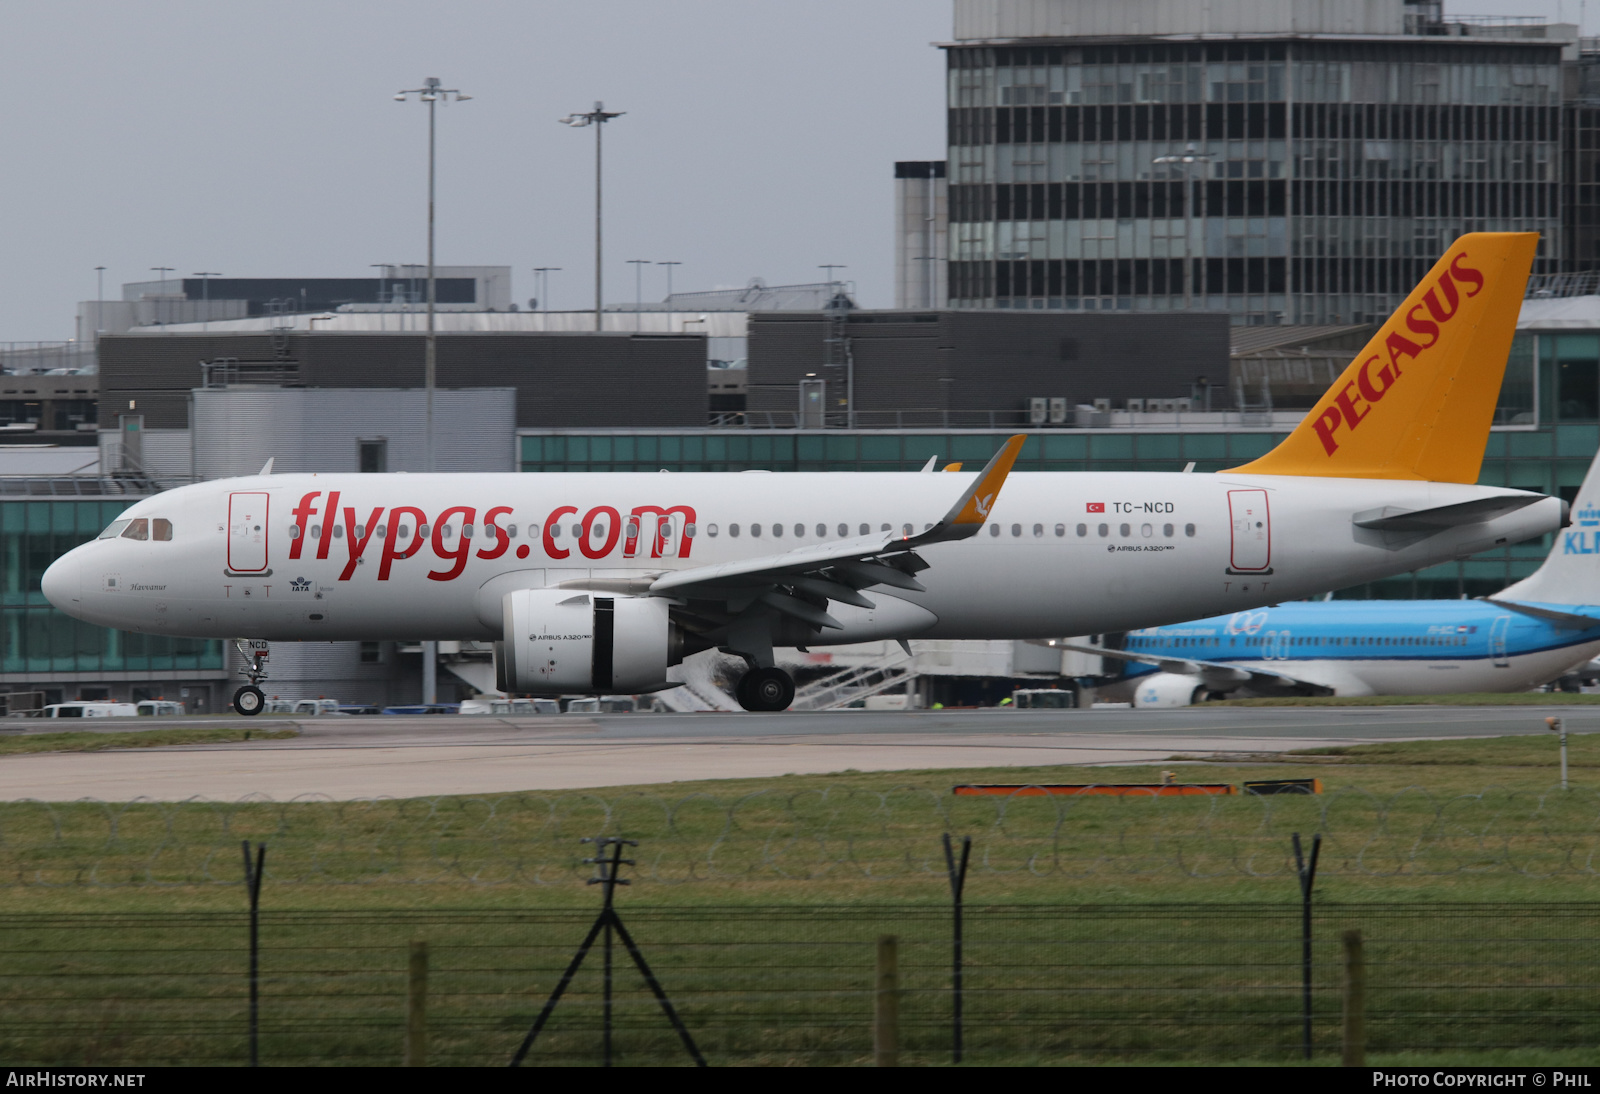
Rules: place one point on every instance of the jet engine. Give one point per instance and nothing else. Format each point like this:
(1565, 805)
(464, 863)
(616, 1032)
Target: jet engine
(1167, 689)
(559, 641)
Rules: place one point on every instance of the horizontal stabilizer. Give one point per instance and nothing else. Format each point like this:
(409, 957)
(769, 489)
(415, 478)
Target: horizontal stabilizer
(1393, 519)
(1570, 621)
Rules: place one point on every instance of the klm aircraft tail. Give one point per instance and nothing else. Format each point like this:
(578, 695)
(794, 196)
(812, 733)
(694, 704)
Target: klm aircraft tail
(1571, 572)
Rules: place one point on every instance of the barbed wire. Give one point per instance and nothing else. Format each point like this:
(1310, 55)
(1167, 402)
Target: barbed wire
(837, 833)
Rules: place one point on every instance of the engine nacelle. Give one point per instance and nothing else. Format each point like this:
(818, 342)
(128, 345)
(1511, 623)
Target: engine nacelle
(1167, 689)
(560, 641)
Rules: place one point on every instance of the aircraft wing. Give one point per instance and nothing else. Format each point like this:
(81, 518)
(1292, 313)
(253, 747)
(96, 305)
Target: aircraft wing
(794, 580)
(1212, 672)
(1570, 621)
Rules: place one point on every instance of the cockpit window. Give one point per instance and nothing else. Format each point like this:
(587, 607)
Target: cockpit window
(161, 528)
(138, 528)
(114, 529)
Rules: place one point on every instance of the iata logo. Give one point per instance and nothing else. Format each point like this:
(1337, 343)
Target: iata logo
(299, 584)
(1378, 374)
(1245, 623)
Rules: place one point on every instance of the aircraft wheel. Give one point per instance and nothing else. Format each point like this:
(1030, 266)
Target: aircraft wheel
(248, 700)
(766, 690)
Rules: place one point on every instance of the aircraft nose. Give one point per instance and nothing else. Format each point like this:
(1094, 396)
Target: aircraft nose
(62, 582)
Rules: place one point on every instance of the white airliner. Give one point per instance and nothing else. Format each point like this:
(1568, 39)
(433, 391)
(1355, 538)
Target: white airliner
(601, 582)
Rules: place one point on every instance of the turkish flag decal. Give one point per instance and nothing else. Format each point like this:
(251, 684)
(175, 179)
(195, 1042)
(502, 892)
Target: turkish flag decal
(1097, 507)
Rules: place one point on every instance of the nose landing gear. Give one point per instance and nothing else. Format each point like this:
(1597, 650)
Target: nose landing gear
(249, 699)
(765, 689)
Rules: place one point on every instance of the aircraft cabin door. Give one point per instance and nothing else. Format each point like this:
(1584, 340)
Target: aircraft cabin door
(247, 532)
(1497, 642)
(1251, 532)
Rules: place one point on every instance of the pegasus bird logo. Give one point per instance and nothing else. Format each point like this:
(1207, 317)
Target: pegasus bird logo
(982, 504)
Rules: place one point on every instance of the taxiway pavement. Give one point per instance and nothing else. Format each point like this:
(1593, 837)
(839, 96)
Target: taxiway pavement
(377, 756)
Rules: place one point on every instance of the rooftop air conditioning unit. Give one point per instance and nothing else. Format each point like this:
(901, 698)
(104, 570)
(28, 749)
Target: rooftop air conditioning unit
(1167, 406)
(1184, 405)
(1038, 411)
(1058, 411)
(1136, 406)
(1103, 405)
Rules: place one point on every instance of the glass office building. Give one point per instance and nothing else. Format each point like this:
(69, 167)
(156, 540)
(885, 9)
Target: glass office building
(46, 650)
(1310, 179)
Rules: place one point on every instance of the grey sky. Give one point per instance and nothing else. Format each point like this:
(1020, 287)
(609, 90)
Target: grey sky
(263, 140)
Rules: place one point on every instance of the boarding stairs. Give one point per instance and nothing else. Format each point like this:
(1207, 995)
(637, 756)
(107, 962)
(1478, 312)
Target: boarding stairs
(843, 688)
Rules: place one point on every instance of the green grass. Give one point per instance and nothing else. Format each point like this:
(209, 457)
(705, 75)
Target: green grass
(1100, 930)
(145, 738)
(1467, 699)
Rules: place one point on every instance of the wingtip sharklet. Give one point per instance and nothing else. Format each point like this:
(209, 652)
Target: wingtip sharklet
(972, 509)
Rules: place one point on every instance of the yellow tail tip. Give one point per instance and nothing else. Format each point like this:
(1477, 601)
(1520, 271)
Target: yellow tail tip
(1417, 401)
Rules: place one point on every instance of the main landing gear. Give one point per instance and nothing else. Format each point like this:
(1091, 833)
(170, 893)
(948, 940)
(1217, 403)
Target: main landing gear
(765, 689)
(249, 700)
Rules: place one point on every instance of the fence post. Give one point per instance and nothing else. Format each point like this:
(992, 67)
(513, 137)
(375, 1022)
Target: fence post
(1355, 1001)
(416, 1054)
(1307, 872)
(252, 881)
(886, 1024)
(958, 883)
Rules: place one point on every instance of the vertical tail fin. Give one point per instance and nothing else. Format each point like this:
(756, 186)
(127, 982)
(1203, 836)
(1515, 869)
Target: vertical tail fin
(1571, 572)
(1417, 402)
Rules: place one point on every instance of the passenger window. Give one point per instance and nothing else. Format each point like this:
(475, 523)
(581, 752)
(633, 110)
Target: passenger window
(1146, 531)
(883, 528)
(316, 531)
(1061, 530)
(577, 531)
(338, 531)
(777, 530)
(905, 529)
(1104, 530)
(1166, 530)
(711, 530)
(994, 529)
(533, 531)
(161, 529)
(822, 531)
(294, 531)
(844, 530)
(422, 530)
(865, 528)
(114, 529)
(511, 531)
(137, 529)
(466, 531)
(755, 530)
(799, 530)
(1126, 529)
(1038, 529)
(1083, 529)
(688, 531)
(1016, 529)
(1188, 529)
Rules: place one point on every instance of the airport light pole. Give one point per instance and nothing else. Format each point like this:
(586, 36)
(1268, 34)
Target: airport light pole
(597, 118)
(205, 277)
(638, 265)
(1186, 160)
(163, 271)
(544, 272)
(99, 299)
(430, 92)
(669, 266)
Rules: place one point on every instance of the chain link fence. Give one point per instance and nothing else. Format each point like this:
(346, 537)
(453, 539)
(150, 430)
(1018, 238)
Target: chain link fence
(787, 985)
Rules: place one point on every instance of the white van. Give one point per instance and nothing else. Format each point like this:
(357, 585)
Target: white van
(311, 708)
(522, 707)
(90, 710)
(158, 708)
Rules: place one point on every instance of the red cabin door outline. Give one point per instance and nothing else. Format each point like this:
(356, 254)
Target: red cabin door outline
(1250, 534)
(247, 532)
